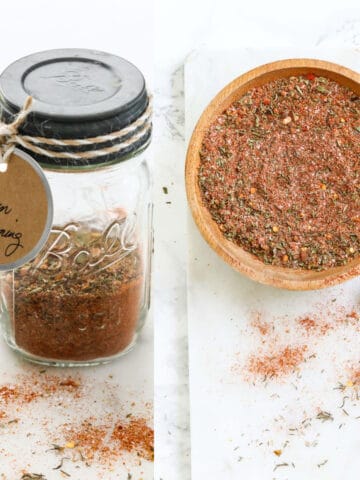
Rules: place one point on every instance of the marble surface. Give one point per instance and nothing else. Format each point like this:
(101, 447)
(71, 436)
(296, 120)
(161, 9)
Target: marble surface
(172, 444)
(244, 424)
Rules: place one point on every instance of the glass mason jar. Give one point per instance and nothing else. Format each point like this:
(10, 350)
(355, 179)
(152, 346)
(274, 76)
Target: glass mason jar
(85, 297)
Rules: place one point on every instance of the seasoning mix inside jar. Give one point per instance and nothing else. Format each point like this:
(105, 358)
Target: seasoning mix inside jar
(84, 298)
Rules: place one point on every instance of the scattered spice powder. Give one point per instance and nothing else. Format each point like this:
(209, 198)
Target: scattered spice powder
(278, 364)
(315, 325)
(32, 387)
(281, 358)
(87, 437)
(136, 436)
(78, 313)
(308, 323)
(92, 441)
(303, 414)
(105, 442)
(279, 172)
(355, 377)
(261, 325)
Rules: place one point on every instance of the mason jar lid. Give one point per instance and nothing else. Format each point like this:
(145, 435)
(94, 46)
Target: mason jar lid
(77, 94)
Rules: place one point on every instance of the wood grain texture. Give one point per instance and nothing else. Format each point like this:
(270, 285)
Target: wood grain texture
(233, 254)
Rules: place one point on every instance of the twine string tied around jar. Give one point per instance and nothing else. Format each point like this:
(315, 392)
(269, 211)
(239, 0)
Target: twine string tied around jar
(119, 140)
(9, 132)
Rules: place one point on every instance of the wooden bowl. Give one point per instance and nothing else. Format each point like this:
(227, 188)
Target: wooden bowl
(234, 255)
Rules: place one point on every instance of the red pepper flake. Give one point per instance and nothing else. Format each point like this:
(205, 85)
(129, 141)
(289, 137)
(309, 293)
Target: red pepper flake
(310, 76)
(353, 315)
(277, 364)
(69, 382)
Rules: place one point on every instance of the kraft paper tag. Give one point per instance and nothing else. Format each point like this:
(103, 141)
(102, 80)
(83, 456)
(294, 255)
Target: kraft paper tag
(26, 210)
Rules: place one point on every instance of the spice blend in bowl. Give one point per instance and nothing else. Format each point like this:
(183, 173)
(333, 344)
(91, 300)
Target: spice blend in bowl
(273, 173)
(280, 171)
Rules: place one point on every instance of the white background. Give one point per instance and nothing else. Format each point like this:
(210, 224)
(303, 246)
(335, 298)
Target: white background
(122, 28)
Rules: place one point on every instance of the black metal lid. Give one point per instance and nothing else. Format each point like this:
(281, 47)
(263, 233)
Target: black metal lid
(77, 94)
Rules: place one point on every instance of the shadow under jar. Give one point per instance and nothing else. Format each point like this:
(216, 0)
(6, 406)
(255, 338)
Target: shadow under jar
(84, 298)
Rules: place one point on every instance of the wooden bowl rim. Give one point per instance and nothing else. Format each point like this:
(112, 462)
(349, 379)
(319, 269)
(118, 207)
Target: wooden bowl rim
(234, 255)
